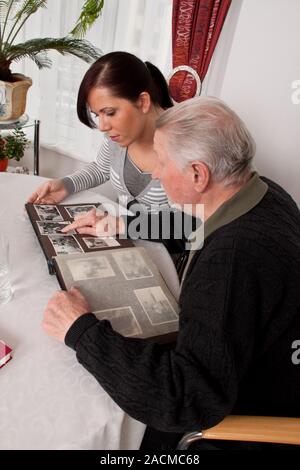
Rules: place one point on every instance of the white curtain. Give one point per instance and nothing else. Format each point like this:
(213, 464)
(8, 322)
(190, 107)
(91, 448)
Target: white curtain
(141, 27)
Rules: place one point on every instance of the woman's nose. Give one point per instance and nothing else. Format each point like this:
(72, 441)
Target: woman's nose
(103, 124)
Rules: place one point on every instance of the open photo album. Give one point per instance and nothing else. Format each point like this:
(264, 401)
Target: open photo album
(124, 287)
(121, 285)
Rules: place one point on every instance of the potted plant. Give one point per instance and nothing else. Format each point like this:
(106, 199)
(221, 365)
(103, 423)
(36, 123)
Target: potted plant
(12, 146)
(14, 14)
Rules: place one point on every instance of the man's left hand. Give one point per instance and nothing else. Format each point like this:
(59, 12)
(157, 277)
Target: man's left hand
(62, 311)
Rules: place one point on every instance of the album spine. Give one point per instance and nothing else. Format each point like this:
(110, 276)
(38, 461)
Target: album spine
(49, 261)
(56, 271)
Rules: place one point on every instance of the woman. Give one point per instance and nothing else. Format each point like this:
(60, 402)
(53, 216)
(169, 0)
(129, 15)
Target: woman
(126, 96)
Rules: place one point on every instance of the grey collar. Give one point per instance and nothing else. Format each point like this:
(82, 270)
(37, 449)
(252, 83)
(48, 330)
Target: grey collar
(239, 204)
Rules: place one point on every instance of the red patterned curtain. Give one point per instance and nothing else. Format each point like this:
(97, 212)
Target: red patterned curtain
(196, 27)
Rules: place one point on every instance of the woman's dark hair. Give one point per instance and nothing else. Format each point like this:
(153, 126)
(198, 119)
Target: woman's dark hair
(127, 77)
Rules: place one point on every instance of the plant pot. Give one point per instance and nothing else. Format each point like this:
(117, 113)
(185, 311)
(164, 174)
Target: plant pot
(3, 164)
(13, 97)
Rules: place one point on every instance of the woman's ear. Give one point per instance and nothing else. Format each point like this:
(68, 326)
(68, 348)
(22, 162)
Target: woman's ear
(144, 102)
(201, 176)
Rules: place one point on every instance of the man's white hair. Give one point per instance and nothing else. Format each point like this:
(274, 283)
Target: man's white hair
(206, 129)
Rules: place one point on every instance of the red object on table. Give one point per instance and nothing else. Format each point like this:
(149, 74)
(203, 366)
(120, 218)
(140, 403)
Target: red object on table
(5, 353)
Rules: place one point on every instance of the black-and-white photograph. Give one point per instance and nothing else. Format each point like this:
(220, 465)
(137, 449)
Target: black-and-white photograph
(79, 210)
(94, 243)
(122, 320)
(53, 228)
(90, 267)
(156, 305)
(47, 212)
(65, 244)
(132, 264)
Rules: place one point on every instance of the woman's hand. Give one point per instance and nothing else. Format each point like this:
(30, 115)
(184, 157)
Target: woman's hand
(97, 224)
(51, 192)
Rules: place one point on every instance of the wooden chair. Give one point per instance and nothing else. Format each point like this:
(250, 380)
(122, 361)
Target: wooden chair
(249, 429)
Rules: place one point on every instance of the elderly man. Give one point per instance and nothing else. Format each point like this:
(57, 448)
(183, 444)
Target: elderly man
(240, 298)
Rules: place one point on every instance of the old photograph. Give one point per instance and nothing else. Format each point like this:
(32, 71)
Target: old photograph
(52, 228)
(94, 243)
(48, 212)
(156, 305)
(73, 211)
(132, 264)
(90, 267)
(122, 320)
(64, 244)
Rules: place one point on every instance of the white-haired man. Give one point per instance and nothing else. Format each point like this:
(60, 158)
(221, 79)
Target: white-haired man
(240, 298)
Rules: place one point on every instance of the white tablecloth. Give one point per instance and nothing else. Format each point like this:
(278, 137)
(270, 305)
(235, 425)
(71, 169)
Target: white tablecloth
(47, 399)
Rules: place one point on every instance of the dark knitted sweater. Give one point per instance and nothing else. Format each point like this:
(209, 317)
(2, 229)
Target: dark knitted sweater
(240, 313)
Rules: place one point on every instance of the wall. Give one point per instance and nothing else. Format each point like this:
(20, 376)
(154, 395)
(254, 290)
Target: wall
(263, 63)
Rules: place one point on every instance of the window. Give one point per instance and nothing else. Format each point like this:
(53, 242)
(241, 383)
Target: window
(138, 26)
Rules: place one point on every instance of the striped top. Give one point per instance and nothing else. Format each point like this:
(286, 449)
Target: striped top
(110, 164)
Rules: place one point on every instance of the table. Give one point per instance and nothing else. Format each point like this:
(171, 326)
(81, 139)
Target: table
(47, 399)
(24, 122)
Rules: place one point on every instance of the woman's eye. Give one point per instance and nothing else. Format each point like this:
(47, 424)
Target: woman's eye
(110, 114)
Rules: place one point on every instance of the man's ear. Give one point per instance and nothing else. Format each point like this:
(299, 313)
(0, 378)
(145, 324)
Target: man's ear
(144, 102)
(201, 176)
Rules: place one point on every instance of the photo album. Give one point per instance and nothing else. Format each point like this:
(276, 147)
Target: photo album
(49, 220)
(120, 281)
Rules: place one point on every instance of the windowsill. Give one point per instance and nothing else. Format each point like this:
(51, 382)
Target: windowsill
(11, 169)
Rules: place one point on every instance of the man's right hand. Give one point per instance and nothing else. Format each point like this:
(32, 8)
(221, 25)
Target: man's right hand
(51, 192)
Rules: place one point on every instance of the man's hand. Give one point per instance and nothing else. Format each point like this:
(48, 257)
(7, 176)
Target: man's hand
(62, 311)
(96, 224)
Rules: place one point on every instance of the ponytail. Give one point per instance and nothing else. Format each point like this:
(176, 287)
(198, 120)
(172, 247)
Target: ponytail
(161, 87)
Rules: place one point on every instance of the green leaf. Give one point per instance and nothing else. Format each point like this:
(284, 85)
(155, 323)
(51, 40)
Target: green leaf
(13, 145)
(89, 13)
(29, 7)
(35, 49)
